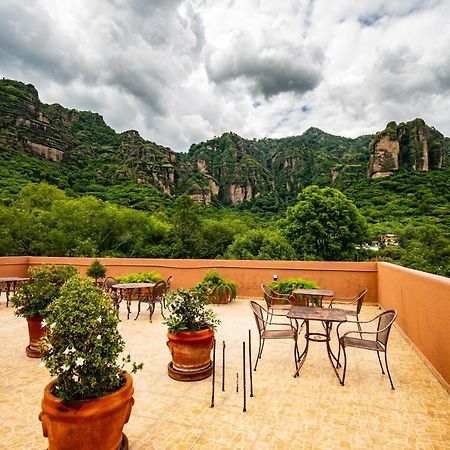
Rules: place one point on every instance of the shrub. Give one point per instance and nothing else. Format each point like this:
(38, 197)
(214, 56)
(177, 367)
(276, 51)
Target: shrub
(188, 310)
(83, 344)
(289, 284)
(96, 270)
(140, 277)
(218, 287)
(33, 297)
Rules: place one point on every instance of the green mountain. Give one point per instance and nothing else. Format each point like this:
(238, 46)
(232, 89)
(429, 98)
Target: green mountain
(78, 152)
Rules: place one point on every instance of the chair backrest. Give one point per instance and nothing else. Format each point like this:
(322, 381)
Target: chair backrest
(360, 299)
(158, 291)
(267, 295)
(169, 283)
(385, 321)
(109, 281)
(259, 312)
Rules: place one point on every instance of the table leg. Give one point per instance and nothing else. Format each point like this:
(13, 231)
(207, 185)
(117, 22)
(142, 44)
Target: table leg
(128, 303)
(329, 351)
(302, 357)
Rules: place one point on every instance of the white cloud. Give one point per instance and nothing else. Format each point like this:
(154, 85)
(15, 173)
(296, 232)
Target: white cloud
(181, 71)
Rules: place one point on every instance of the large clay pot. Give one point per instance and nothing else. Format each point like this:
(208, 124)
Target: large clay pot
(191, 354)
(35, 331)
(219, 299)
(87, 424)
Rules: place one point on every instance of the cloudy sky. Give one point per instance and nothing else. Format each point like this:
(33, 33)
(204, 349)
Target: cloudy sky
(182, 71)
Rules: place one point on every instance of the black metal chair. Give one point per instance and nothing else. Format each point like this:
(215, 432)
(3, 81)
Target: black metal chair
(356, 301)
(378, 344)
(262, 322)
(107, 283)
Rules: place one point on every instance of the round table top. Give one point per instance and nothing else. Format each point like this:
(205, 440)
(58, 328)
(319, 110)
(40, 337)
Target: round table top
(132, 285)
(321, 292)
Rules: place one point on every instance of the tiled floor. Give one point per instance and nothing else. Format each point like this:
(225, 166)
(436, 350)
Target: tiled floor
(312, 411)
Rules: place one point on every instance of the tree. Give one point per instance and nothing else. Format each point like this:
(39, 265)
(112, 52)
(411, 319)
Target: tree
(324, 224)
(260, 244)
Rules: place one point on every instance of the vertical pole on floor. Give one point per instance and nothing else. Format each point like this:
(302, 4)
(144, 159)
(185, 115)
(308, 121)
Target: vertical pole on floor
(244, 366)
(213, 373)
(223, 366)
(250, 361)
(237, 381)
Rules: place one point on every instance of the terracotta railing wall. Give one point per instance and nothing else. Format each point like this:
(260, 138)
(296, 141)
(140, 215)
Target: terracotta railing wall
(345, 278)
(423, 304)
(13, 266)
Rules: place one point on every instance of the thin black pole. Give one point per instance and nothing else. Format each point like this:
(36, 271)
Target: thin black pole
(213, 373)
(250, 361)
(237, 381)
(244, 366)
(223, 366)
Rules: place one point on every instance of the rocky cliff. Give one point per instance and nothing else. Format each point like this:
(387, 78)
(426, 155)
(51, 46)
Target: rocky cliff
(411, 145)
(83, 154)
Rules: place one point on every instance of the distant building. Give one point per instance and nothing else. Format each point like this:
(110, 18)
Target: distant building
(389, 239)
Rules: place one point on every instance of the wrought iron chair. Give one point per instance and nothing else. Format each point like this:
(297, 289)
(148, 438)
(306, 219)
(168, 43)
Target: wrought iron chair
(289, 331)
(356, 301)
(271, 298)
(156, 296)
(107, 283)
(168, 285)
(378, 344)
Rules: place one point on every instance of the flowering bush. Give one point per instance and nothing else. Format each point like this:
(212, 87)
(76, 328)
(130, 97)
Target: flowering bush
(83, 344)
(188, 310)
(33, 298)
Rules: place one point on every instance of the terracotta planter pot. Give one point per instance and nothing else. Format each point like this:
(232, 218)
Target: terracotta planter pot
(87, 424)
(218, 299)
(191, 354)
(35, 332)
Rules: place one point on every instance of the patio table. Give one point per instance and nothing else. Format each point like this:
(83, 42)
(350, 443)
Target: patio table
(327, 316)
(308, 293)
(10, 284)
(132, 292)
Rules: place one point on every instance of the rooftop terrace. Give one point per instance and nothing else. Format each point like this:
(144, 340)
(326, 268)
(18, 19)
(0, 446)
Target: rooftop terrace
(311, 411)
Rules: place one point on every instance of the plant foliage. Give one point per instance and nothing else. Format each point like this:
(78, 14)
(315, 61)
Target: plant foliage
(218, 287)
(140, 277)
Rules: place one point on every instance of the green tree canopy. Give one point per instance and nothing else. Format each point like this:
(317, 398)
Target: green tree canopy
(324, 224)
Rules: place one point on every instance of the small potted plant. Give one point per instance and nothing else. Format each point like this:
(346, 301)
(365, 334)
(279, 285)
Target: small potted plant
(33, 297)
(191, 334)
(220, 290)
(96, 270)
(90, 400)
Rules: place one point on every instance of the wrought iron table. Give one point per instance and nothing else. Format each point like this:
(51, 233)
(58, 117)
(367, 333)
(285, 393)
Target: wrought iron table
(133, 292)
(10, 284)
(308, 294)
(325, 315)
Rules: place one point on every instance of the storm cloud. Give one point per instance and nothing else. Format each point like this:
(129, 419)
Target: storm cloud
(180, 71)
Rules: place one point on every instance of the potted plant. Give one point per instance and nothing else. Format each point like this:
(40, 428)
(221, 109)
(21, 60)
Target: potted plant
(90, 400)
(220, 290)
(33, 297)
(288, 285)
(191, 334)
(96, 270)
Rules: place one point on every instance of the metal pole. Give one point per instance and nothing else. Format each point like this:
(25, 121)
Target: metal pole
(244, 409)
(223, 366)
(250, 361)
(237, 381)
(213, 373)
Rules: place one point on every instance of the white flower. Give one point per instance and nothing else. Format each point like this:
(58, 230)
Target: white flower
(75, 378)
(99, 336)
(99, 319)
(53, 325)
(43, 323)
(66, 351)
(65, 368)
(79, 361)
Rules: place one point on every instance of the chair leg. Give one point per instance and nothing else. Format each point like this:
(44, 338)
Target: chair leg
(339, 355)
(162, 313)
(345, 366)
(139, 309)
(151, 307)
(261, 347)
(296, 355)
(358, 325)
(381, 365)
(387, 369)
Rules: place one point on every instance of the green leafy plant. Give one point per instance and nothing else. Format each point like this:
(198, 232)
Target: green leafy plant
(289, 284)
(33, 297)
(140, 277)
(218, 287)
(84, 344)
(188, 310)
(96, 270)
